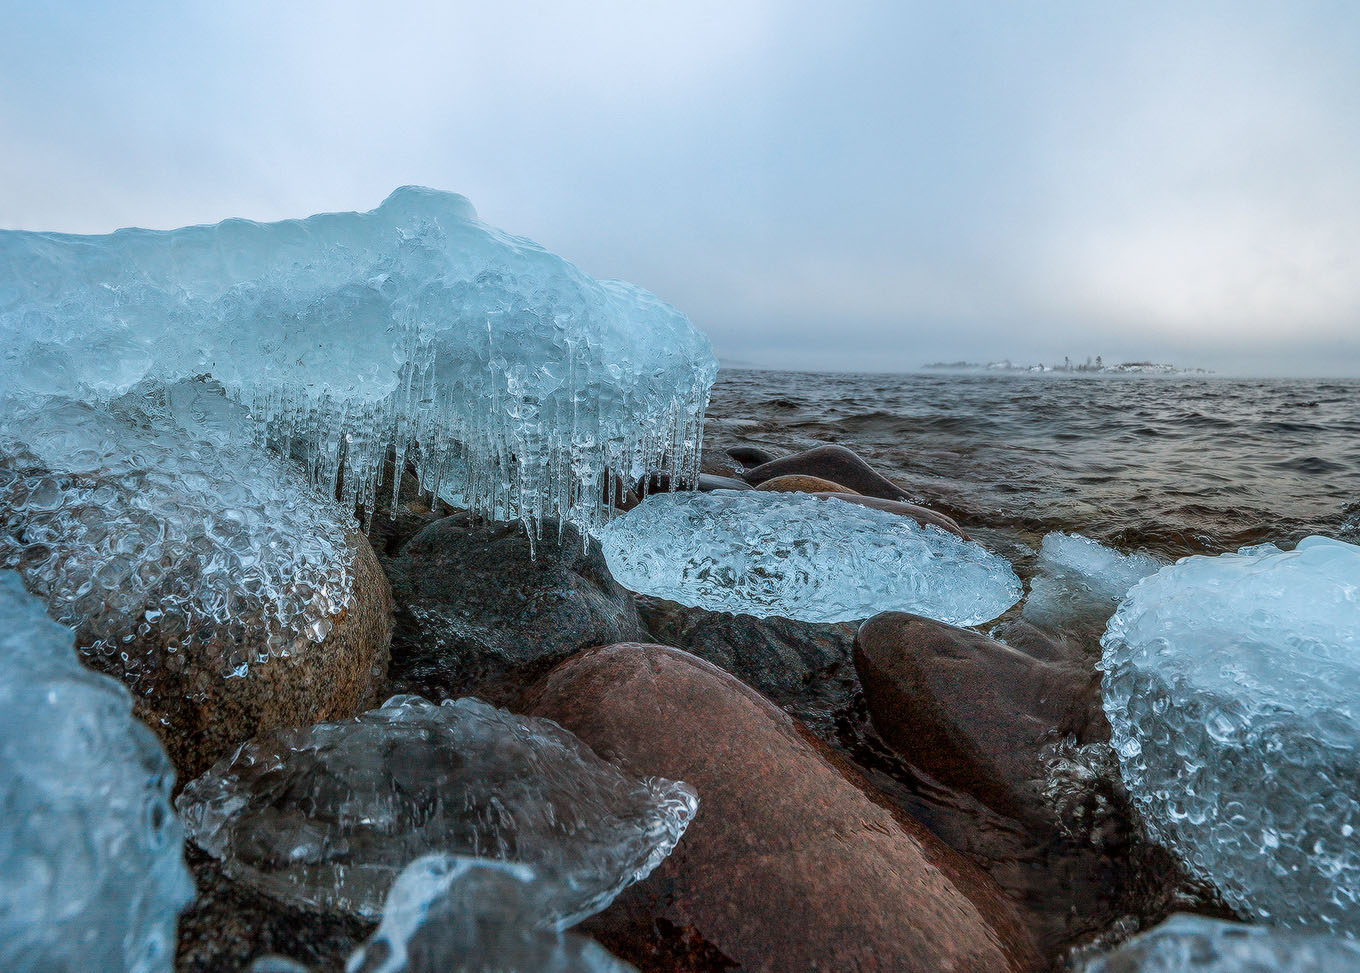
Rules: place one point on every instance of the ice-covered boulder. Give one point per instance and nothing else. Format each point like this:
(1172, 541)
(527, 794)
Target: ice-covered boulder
(454, 914)
(92, 872)
(1079, 582)
(347, 334)
(1231, 685)
(803, 557)
(327, 816)
(1196, 944)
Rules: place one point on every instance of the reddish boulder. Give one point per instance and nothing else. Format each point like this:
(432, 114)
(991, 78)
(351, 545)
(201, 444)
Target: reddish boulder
(802, 483)
(794, 862)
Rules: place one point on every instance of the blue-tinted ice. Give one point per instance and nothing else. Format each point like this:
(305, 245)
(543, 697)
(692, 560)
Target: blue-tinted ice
(1080, 581)
(1196, 944)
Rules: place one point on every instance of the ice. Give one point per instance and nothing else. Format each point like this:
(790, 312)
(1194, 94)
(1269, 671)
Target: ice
(510, 378)
(90, 852)
(327, 816)
(1196, 944)
(1080, 581)
(1231, 685)
(451, 913)
(802, 557)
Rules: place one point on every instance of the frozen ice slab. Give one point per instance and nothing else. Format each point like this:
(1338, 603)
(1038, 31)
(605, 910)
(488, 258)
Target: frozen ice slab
(453, 914)
(92, 872)
(521, 378)
(802, 557)
(327, 816)
(1080, 581)
(1196, 944)
(1231, 684)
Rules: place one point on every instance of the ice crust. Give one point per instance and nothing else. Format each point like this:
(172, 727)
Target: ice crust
(455, 914)
(345, 335)
(802, 557)
(91, 854)
(1081, 581)
(329, 815)
(1231, 687)
(1196, 944)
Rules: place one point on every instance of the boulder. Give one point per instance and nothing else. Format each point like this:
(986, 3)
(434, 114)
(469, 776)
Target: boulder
(834, 463)
(794, 862)
(708, 481)
(802, 483)
(971, 711)
(749, 457)
(922, 515)
(483, 608)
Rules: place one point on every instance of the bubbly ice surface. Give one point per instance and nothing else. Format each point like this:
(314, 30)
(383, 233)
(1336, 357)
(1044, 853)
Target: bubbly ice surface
(454, 914)
(1197, 944)
(1081, 581)
(1231, 684)
(92, 873)
(802, 557)
(329, 815)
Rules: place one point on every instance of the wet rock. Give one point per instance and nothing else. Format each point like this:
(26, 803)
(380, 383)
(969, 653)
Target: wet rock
(793, 862)
(708, 481)
(802, 483)
(971, 711)
(834, 463)
(478, 614)
(922, 515)
(749, 457)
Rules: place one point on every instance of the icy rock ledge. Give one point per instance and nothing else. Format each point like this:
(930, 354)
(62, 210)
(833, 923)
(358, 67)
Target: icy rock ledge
(802, 557)
(1231, 683)
(1196, 944)
(329, 815)
(91, 855)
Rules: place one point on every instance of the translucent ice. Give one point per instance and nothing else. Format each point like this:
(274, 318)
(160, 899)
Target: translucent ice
(802, 557)
(1080, 581)
(520, 378)
(1196, 944)
(1231, 685)
(453, 914)
(92, 872)
(329, 815)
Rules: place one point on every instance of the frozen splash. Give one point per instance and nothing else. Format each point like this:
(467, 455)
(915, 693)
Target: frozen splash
(510, 378)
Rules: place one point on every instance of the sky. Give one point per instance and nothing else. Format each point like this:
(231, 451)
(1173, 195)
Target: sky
(848, 186)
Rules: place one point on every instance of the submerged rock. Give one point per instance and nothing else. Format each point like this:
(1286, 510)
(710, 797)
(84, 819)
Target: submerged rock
(1196, 944)
(804, 558)
(92, 872)
(486, 609)
(834, 463)
(327, 816)
(793, 862)
(1230, 683)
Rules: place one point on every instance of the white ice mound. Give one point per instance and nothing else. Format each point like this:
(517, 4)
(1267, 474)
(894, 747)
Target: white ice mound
(92, 872)
(520, 377)
(1080, 581)
(329, 815)
(1232, 685)
(1196, 944)
(454, 914)
(802, 557)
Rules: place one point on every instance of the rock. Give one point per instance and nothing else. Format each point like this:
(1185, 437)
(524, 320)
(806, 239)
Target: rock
(834, 463)
(971, 711)
(479, 614)
(922, 515)
(793, 862)
(802, 483)
(707, 481)
(750, 456)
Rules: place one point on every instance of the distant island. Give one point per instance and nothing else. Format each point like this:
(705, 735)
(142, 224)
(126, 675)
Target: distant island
(1092, 366)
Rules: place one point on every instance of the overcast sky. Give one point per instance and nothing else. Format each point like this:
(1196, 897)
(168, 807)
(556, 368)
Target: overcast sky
(825, 185)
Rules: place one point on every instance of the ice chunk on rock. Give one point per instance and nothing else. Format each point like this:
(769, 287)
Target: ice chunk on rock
(1196, 944)
(1080, 581)
(1231, 684)
(346, 334)
(454, 914)
(802, 557)
(92, 872)
(327, 816)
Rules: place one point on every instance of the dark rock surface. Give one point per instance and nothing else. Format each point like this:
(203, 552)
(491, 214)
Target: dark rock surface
(749, 457)
(708, 481)
(794, 862)
(835, 463)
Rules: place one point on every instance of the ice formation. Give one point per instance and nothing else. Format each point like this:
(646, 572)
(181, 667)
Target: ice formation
(330, 814)
(90, 852)
(1080, 581)
(1231, 685)
(802, 557)
(1196, 944)
(454, 914)
(510, 378)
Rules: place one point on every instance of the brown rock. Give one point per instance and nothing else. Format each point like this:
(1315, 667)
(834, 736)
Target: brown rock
(749, 457)
(834, 463)
(802, 483)
(922, 515)
(971, 711)
(793, 862)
